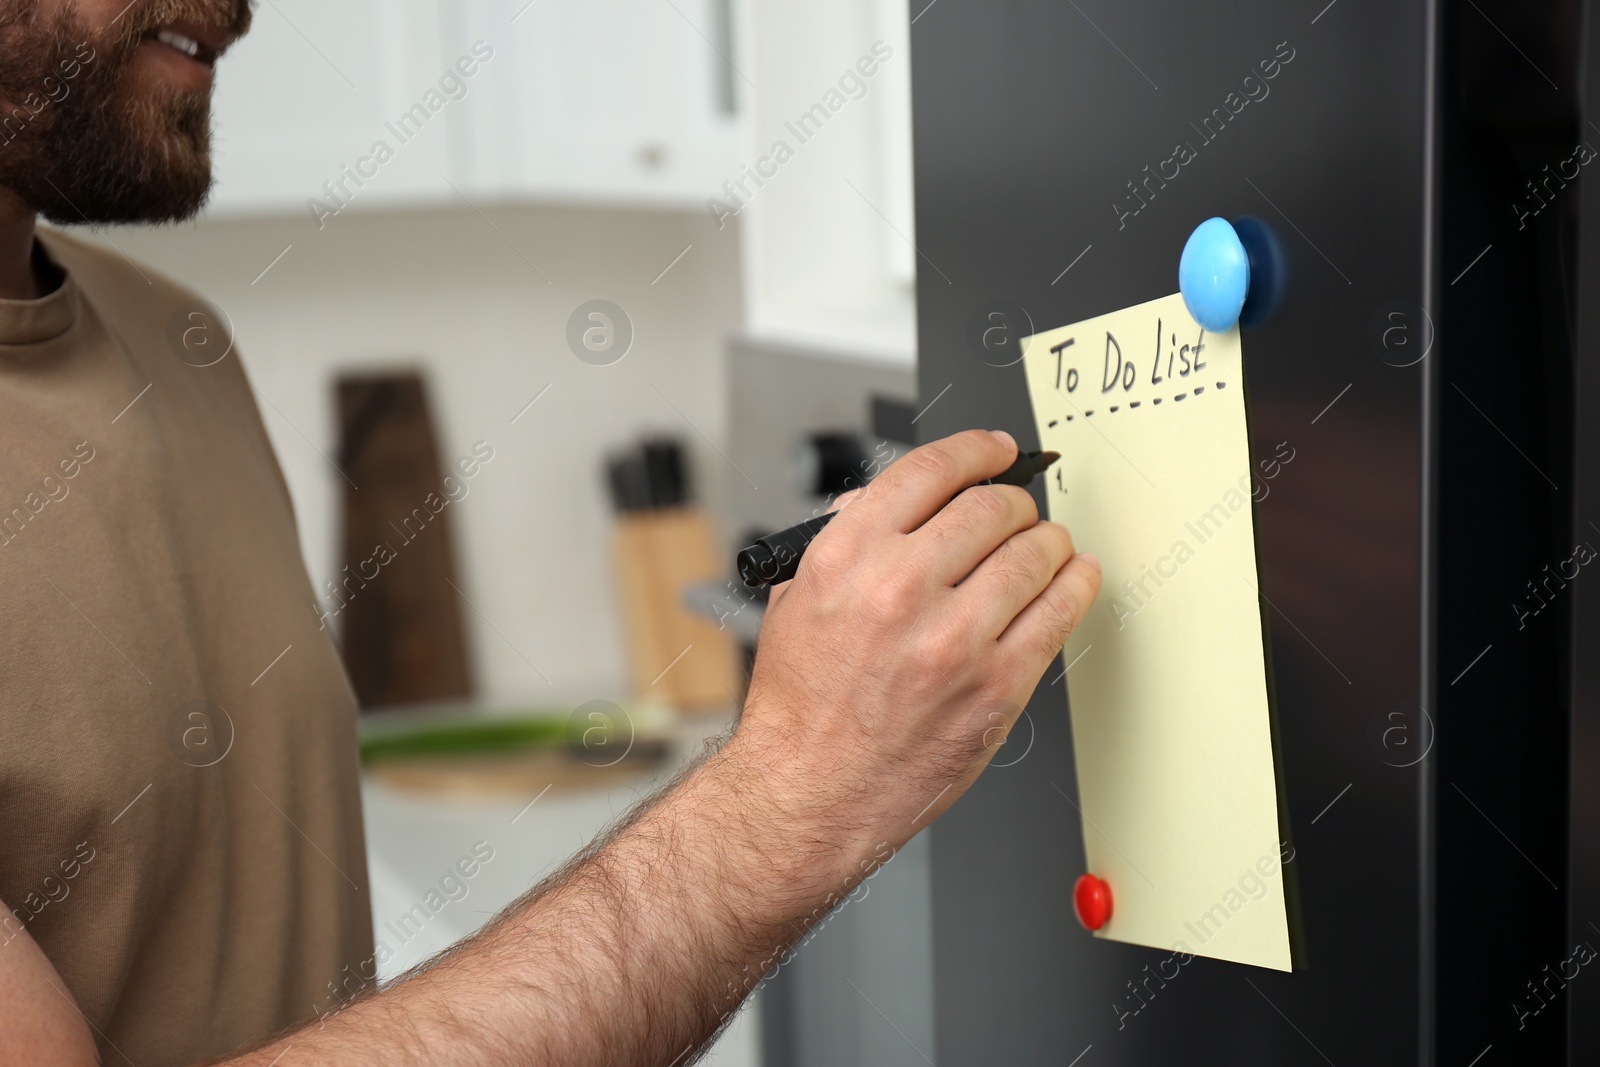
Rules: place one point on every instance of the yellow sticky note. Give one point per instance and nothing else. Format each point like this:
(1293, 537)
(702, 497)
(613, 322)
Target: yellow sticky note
(1167, 673)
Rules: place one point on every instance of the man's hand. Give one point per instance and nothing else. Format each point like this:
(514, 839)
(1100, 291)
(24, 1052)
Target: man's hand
(893, 666)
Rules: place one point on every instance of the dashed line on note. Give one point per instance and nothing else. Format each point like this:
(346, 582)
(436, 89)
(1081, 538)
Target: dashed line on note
(1135, 403)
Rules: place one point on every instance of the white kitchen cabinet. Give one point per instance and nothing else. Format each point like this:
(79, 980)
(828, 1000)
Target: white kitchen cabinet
(829, 254)
(312, 90)
(363, 103)
(625, 99)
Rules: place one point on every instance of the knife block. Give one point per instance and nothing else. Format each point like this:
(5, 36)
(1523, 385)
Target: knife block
(675, 657)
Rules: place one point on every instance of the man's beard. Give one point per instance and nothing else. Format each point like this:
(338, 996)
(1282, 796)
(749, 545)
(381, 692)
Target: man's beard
(77, 142)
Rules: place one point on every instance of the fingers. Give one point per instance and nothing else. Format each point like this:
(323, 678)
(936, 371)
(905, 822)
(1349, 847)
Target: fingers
(962, 535)
(912, 490)
(1015, 574)
(1043, 626)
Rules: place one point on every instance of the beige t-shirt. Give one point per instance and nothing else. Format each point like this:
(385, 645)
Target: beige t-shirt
(180, 820)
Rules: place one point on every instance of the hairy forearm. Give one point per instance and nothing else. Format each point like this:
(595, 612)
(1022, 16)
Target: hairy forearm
(891, 668)
(635, 953)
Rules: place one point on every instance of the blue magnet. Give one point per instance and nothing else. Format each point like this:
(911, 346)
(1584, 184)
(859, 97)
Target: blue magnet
(1269, 271)
(1214, 275)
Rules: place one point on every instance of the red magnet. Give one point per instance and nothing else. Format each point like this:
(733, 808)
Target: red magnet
(1091, 899)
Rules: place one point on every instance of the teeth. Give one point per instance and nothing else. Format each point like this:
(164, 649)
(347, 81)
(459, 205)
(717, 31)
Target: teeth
(187, 45)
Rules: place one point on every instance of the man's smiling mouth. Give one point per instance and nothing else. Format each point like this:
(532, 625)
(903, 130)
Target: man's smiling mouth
(184, 44)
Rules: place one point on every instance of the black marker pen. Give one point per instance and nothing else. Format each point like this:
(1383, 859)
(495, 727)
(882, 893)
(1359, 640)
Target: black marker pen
(776, 557)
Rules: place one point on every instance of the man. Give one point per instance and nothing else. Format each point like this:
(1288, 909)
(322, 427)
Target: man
(160, 908)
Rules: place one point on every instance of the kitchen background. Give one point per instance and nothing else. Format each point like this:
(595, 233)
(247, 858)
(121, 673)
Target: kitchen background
(444, 187)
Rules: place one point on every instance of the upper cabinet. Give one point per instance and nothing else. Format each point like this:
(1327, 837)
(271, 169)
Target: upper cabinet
(827, 220)
(603, 98)
(372, 102)
(304, 101)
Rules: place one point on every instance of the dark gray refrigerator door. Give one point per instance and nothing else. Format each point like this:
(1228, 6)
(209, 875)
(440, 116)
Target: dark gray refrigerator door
(1425, 789)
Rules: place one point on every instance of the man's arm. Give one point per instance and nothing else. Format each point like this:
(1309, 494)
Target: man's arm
(889, 672)
(635, 953)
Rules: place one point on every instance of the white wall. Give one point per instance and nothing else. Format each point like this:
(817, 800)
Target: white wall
(446, 291)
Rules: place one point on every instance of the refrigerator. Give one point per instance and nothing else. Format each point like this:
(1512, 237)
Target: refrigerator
(1429, 606)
